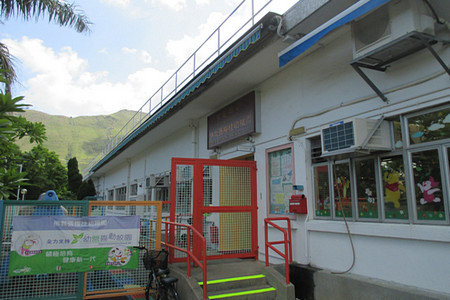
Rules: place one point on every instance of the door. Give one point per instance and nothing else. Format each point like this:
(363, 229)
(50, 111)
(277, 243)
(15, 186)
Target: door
(218, 198)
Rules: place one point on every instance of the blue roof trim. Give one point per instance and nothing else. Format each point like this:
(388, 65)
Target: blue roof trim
(343, 18)
(250, 39)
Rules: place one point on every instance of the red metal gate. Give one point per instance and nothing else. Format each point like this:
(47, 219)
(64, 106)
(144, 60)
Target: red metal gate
(218, 198)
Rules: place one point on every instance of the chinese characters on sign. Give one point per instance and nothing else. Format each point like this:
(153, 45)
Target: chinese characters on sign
(233, 121)
(58, 244)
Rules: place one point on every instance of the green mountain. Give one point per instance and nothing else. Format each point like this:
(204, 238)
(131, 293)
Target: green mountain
(80, 137)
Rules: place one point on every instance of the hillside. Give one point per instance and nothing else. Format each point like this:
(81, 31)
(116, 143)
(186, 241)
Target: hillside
(80, 137)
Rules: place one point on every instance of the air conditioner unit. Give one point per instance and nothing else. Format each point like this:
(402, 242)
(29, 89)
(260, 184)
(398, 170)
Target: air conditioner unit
(157, 181)
(356, 134)
(389, 23)
(163, 181)
(149, 181)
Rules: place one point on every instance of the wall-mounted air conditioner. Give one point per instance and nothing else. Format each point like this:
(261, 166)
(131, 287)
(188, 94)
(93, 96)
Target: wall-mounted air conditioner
(389, 23)
(157, 181)
(356, 134)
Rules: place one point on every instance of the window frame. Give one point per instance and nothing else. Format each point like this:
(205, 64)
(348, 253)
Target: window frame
(406, 132)
(380, 157)
(379, 190)
(321, 164)
(441, 155)
(333, 163)
(133, 189)
(403, 155)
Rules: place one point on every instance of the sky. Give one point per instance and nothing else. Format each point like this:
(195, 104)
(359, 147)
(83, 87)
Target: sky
(133, 48)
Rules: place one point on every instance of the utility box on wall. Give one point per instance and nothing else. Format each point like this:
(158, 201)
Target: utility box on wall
(297, 204)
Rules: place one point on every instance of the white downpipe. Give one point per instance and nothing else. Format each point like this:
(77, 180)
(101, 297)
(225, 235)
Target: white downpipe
(194, 138)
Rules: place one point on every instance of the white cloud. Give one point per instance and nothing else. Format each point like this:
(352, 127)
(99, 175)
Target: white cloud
(129, 50)
(202, 2)
(181, 49)
(175, 5)
(142, 55)
(117, 3)
(61, 83)
(103, 51)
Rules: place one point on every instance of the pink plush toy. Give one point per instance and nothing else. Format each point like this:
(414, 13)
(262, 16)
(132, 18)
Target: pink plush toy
(428, 188)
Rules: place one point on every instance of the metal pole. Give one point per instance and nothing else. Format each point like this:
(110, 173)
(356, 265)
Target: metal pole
(18, 187)
(253, 12)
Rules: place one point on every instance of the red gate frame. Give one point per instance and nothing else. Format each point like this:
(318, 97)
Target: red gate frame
(198, 209)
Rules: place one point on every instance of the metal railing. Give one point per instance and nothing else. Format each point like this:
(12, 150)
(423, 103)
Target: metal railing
(287, 255)
(221, 38)
(190, 251)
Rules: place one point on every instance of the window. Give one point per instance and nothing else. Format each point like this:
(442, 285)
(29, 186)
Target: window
(342, 190)
(407, 185)
(429, 199)
(322, 191)
(366, 189)
(121, 195)
(394, 190)
(159, 190)
(280, 168)
(133, 189)
(429, 127)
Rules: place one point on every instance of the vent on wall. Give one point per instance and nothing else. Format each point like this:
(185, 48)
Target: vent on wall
(387, 24)
(356, 134)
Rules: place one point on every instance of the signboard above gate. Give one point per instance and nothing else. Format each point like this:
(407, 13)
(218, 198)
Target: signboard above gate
(239, 119)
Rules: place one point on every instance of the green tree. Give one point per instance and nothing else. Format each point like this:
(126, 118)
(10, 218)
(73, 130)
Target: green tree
(86, 189)
(13, 128)
(74, 178)
(61, 12)
(44, 172)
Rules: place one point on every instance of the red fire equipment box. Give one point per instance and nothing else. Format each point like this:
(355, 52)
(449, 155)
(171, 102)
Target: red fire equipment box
(297, 204)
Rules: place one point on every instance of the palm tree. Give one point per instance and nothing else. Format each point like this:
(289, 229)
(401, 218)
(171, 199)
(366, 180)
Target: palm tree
(62, 13)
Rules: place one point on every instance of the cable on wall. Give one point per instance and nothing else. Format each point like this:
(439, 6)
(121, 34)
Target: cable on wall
(346, 225)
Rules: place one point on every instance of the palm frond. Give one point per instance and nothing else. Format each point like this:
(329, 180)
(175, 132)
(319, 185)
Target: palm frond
(63, 13)
(7, 65)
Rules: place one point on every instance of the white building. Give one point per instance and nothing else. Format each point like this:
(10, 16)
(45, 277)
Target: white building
(351, 100)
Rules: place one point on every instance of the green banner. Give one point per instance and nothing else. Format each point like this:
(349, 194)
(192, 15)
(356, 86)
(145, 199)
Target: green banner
(55, 244)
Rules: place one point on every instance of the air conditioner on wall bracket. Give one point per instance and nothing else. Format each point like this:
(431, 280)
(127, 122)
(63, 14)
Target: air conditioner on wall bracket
(356, 135)
(387, 24)
(157, 181)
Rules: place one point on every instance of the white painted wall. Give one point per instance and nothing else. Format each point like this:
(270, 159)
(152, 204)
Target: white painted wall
(317, 89)
(415, 255)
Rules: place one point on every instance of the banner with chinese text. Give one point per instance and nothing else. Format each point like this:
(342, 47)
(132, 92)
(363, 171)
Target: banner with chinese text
(59, 244)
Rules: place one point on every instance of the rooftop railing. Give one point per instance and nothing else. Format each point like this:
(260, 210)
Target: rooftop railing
(240, 20)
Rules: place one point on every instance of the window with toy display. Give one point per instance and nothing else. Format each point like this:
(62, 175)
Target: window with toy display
(427, 185)
(342, 190)
(408, 184)
(366, 189)
(322, 191)
(394, 191)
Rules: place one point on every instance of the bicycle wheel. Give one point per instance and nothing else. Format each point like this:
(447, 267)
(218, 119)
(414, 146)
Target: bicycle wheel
(151, 291)
(171, 293)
